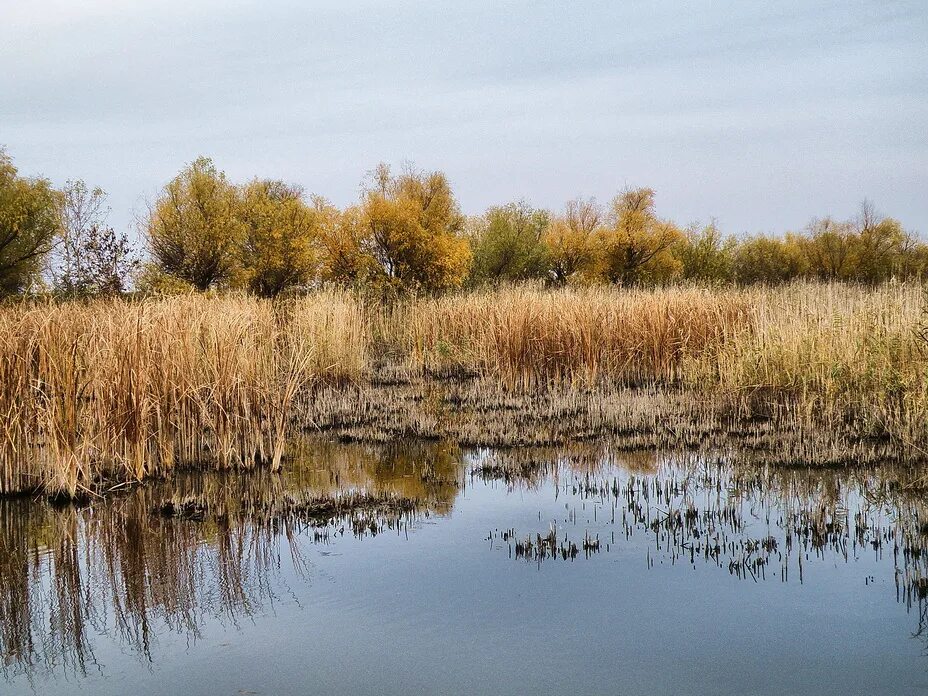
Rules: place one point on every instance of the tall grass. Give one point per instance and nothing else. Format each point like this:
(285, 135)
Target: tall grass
(129, 389)
(527, 337)
(836, 354)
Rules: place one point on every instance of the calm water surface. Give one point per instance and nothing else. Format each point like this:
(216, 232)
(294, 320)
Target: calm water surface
(424, 569)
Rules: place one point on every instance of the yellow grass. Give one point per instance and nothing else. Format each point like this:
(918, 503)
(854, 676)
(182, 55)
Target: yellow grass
(832, 353)
(128, 389)
(526, 337)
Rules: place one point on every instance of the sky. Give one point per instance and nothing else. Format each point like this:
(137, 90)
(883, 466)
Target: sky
(759, 115)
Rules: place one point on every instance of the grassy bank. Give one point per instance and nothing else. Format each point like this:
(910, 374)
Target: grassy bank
(124, 390)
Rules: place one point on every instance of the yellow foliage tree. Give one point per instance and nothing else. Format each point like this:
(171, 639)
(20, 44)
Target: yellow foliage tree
(29, 222)
(413, 229)
(342, 235)
(769, 260)
(828, 246)
(193, 229)
(280, 246)
(571, 242)
(636, 244)
(705, 254)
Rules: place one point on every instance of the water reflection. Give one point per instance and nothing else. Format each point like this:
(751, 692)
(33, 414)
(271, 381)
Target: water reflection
(176, 556)
(199, 548)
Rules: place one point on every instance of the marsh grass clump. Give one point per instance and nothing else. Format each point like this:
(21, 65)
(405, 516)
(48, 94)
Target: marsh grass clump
(130, 389)
(844, 357)
(529, 337)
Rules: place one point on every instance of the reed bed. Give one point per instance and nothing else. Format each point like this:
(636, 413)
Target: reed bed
(844, 356)
(116, 389)
(525, 337)
(122, 390)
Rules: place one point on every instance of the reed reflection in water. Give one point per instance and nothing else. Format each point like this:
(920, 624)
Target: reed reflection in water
(177, 556)
(174, 555)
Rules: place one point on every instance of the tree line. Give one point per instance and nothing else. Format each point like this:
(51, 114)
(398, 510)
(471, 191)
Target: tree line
(406, 232)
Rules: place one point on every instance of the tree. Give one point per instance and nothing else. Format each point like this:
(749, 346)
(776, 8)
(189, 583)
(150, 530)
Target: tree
(29, 222)
(636, 243)
(571, 241)
(912, 259)
(705, 254)
(342, 235)
(280, 245)
(508, 244)
(879, 244)
(769, 260)
(828, 245)
(193, 229)
(92, 258)
(413, 230)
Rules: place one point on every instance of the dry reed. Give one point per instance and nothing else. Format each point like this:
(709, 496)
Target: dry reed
(128, 389)
(526, 337)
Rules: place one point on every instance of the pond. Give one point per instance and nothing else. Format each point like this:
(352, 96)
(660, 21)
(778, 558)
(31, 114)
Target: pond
(424, 568)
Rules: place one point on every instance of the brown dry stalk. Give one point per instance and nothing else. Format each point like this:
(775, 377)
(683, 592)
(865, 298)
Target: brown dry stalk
(116, 389)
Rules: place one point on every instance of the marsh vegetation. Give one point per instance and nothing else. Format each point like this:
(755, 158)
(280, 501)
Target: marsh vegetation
(255, 312)
(94, 393)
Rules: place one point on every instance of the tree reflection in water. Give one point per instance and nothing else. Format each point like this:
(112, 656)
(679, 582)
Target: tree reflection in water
(199, 547)
(175, 555)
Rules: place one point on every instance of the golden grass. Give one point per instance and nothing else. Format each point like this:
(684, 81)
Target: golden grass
(526, 337)
(127, 389)
(130, 389)
(840, 355)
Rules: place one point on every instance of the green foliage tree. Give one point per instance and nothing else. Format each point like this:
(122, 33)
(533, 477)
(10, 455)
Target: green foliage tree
(768, 260)
(912, 260)
(705, 255)
(29, 223)
(193, 229)
(509, 244)
(280, 247)
(828, 246)
(879, 246)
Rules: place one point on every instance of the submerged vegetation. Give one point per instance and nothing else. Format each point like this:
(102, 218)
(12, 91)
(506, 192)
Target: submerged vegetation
(124, 389)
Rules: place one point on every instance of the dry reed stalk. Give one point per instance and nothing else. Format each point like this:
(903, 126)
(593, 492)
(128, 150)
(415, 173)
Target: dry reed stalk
(830, 354)
(131, 389)
(528, 337)
(120, 389)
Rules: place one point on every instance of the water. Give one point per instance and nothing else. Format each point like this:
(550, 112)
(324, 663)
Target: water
(425, 569)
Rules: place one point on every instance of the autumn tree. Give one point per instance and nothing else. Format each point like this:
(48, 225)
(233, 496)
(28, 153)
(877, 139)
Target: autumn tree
(413, 230)
(879, 245)
(912, 260)
(508, 244)
(343, 240)
(705, 254)
(829, 246)
(571, 242)
(29, 222)
(193, 229)
(280, 247)
(768, 260)
(636, 243)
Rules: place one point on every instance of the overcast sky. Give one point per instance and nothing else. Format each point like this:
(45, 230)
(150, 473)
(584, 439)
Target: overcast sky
(761, 118)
